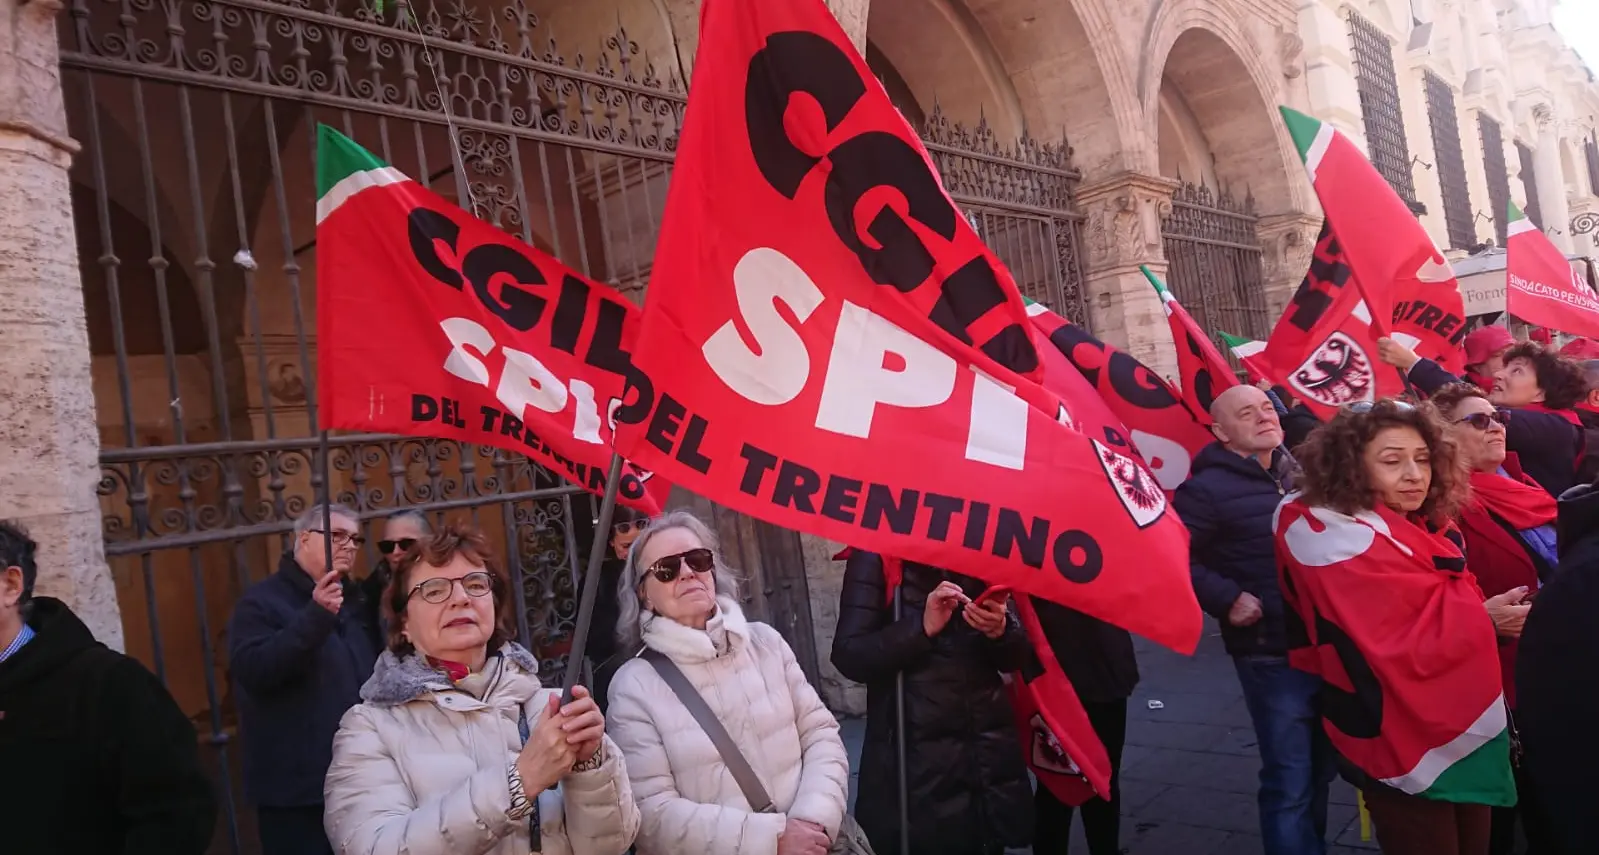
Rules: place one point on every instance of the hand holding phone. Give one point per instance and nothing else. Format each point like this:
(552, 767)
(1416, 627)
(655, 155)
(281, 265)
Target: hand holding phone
(991, 594)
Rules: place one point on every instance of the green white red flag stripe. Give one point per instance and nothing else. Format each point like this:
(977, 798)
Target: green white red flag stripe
(1204, 373)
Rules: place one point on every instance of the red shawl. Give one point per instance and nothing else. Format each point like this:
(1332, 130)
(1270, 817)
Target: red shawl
(1516, 499)
(1384, 611)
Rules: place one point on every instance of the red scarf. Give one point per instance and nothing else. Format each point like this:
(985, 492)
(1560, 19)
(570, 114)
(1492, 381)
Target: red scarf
(1515, 498)
(1395, 626)
(1568, 415)
(454, 670)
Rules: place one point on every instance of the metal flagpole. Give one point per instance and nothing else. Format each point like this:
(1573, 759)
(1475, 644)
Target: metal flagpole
(591, 579)
(327, 503)
(899, 739)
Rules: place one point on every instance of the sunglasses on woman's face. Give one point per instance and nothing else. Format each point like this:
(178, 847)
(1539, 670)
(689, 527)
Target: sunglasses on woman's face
(628, 527)
(1361, 408)
(388, 546)
(668, 568)
(1484, 421)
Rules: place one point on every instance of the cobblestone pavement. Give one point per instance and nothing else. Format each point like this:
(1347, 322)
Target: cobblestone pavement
(1189, 771)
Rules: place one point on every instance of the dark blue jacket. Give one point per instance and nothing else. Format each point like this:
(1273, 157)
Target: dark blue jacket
(1227, 504)
(1547, 445)
(296, 668)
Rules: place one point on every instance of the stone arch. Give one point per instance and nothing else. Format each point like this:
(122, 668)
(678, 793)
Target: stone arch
(941, 55)
(1204, 78)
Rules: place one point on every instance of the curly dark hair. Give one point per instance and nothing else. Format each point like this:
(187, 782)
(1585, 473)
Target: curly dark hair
(1335, 470)
(452, 539)
(1562, 380)
(1449, 397)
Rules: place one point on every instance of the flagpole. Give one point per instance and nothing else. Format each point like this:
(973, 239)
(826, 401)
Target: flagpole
(899, 739)
(327, 502)
(591, 579)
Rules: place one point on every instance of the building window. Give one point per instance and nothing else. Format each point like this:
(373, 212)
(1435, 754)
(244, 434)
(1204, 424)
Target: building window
(1493, 162)
(1379, 108)
(1592, 149)
(1529, 181)
(1451, 163)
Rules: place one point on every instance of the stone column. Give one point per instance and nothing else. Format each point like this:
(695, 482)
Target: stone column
(49, 445)
(1123, 231)
(685, 18)
(1551, 180)
(1286, 243)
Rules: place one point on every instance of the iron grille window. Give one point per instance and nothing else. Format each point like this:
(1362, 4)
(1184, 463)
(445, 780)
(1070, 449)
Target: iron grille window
(1493, 161)
(1379, 108)
(1451, 163)
(1592, 147)
(1529, 180)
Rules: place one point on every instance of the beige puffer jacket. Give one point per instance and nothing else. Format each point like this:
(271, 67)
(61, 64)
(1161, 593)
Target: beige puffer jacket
(691, 804)
(420, 769)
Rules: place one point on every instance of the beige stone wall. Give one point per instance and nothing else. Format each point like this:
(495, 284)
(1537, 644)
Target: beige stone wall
(49, 448)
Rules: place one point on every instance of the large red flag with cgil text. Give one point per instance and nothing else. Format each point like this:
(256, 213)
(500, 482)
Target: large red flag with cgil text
(1541, 285)
(1407, 284)
(431, 322)
(1203, 371)
(830, 347)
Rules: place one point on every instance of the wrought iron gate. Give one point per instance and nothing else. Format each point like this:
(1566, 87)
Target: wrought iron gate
(1215, 262)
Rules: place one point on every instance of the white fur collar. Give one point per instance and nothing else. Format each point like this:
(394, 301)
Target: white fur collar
(684, 644)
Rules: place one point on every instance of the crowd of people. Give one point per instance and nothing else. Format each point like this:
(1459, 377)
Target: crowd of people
(392, 711)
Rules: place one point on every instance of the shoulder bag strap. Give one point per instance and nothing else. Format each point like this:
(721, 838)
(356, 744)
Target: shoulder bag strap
(742, 772)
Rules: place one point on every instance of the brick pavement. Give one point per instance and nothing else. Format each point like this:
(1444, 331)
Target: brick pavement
(1189, 771)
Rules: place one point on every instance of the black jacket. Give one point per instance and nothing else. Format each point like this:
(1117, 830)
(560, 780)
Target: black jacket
(1098, 658)
(95, 756)
(1588, 469)
(1227, 504)
(1557, 684)
(1547, 445)
(969, 790)
(602, 653)
(296, 668)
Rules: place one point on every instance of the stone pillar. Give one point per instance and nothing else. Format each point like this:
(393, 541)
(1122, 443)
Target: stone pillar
(1123, 231)
(852, 15)
(1551, 180)
(49, 445)
(685, 18)
(1286, 243)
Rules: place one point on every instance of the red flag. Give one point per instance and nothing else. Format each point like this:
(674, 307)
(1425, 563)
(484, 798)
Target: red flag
(1543, 287)
(1324, 348)
(1407, 284)
(831, 348)
(1203, 370)
(431, 322)
(1108, 392)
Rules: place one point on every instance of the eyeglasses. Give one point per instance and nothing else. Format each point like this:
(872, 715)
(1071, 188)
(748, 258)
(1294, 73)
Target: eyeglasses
(438, 589)
(1361, 408)
(388, 546)
(629, 526)
(1484, 421)
(668, 568)
(342, 538)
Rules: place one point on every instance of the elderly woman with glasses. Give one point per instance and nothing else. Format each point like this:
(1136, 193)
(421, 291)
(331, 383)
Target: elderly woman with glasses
(1383, 607)
(678, 602)
(457, 748)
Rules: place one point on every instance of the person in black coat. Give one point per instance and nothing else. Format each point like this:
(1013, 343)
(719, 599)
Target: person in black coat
(967, 779)
(301, 644)
(1539, 388)
(603, 650)
(97, 757)
(1227, 504)
(1100, 662)
(1557, 684)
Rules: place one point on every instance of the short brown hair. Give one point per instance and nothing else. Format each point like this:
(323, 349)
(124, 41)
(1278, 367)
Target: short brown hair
(1335, 469)
(452, 539)
(1449, 397)
(1561, 379)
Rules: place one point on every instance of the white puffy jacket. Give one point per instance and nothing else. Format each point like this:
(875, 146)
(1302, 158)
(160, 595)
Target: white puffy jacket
(420, 769)
(691, 804)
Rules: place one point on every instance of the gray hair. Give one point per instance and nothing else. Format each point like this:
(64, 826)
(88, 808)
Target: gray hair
(413, 515)
(630, 603)
(313, 517)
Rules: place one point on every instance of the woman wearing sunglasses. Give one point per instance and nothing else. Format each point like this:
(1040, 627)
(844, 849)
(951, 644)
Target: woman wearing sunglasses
(456, 746)
(1510, 546)
(679, 602)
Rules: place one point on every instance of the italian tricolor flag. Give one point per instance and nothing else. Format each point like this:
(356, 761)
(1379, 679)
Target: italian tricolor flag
(1204, 372)
(1541, 285)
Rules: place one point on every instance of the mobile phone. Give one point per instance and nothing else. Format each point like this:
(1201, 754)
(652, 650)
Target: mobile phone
(993, 592)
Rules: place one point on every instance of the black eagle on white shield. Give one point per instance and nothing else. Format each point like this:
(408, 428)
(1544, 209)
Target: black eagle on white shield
(1337, 373)
(1048, 755)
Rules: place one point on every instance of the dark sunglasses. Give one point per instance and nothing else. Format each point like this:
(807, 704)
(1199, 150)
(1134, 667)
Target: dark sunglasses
(388, 546)
(629, 526)
(1361, 408)
(438, 589)
(668, 568)
(1484, 421)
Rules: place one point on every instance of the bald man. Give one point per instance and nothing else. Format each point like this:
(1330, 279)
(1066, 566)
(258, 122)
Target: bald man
(1227, 504)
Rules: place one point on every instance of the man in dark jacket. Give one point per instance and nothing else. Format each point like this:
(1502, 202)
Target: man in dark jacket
(1557, 685)
(1228, 504)
(301, 644)
(97, 756)
(968, 785)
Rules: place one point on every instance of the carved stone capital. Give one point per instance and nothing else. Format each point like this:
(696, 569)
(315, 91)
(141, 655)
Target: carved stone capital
(1123, 220)
(1290, 52)
(30, 73)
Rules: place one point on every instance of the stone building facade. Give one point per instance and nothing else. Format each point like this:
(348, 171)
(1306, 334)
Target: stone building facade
(157, 251)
